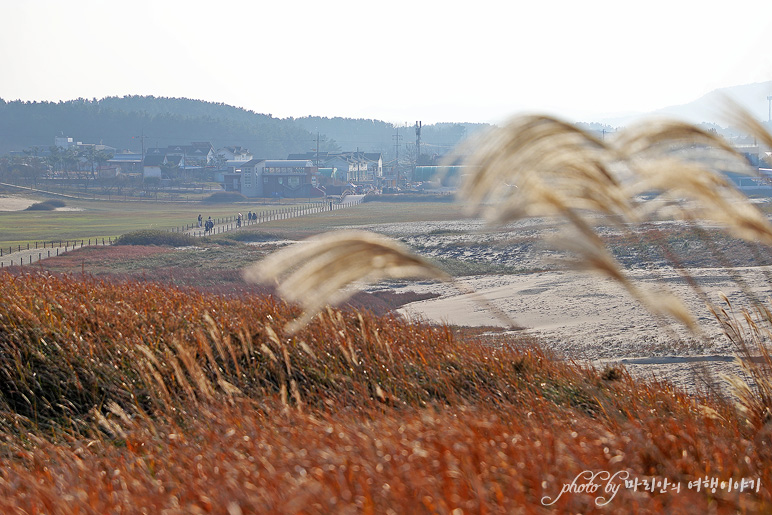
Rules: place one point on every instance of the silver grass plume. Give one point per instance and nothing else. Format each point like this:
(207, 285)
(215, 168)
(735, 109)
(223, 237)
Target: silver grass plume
(322, 269)
(539, 165)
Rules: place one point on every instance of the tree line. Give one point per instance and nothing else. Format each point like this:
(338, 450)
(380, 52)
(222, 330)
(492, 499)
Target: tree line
(133, 121)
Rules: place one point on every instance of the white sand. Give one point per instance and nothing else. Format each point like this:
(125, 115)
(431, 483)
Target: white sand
(581, 316)
(15, 203)
(585, 317)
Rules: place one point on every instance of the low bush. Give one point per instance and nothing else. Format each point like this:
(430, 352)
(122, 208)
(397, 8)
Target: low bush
(156, 237)
(46, 205)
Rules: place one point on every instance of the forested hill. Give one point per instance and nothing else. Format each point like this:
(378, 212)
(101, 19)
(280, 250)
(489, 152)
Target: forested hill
(119, 122)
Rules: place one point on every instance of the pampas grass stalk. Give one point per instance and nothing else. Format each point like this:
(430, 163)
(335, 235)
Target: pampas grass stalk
(323, 269)
(543, 166)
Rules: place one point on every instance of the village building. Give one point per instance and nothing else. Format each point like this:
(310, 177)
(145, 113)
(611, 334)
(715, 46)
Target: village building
(288, 178)
(235, 154)
(152, 164)
(186, 157)
(360, 168)
(126, 162)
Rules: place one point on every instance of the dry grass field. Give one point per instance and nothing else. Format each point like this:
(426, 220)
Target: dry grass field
(142, 398)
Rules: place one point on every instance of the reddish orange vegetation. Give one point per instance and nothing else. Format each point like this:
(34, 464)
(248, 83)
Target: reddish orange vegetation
(106, 254)
(137, 397)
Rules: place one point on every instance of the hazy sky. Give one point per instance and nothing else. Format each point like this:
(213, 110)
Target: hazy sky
(399, 61)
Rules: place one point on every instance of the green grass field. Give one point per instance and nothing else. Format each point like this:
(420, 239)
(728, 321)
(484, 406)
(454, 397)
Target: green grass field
(366, 213)
(103, 219)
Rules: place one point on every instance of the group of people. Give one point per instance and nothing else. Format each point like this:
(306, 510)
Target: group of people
(208, 224)
(251, 217)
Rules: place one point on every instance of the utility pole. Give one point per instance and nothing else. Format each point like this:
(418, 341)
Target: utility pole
(417, 141)
(397, 137)
(142, 156)
(317, 150)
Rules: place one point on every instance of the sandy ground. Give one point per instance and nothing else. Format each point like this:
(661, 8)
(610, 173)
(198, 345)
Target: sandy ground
(580, 315)
(587, 318)
(14, 203)
(19, 203)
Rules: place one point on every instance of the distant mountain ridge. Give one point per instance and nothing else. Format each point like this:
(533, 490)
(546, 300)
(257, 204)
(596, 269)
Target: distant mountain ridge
(708, 108)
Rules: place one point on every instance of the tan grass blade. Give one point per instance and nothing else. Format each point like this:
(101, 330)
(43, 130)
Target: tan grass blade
(658, 137)
(539, 165)
(323, 269)
(715, 198)
(746, 122)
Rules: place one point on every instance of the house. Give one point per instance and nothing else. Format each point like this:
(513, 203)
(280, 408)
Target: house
(235, 154)
(251, 177)
(287, 178)
(151, 166)
(358, 167)
(65, 142)
(374, 162)
(126, 162)
(196, 155)
(291, 179)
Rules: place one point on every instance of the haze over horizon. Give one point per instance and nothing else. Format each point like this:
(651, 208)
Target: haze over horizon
(398, 62)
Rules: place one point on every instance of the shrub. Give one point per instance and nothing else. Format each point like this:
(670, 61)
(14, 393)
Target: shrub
(47, 205)
(155, 237)
(40, 206)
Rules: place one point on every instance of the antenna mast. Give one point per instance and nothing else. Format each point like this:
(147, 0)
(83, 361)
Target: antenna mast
(417, 141)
